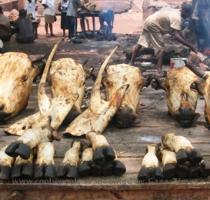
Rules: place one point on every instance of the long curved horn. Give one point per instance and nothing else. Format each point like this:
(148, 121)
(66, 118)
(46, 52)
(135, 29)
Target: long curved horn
(43, 99)
(196, 70)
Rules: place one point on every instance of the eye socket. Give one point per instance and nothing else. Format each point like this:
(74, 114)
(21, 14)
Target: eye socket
(194, 86)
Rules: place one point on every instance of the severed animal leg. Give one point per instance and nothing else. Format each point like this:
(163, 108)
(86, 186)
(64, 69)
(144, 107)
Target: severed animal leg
(22, 168)
(185, 152)
(6, 163)
(150, 169)
(45, 166)
(24, 144)
(69, 167)
(84, 168)
(103, 161)
(102, 151)
(169, 162)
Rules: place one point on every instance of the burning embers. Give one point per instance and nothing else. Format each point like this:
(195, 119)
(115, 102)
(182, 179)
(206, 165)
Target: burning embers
(176, 156)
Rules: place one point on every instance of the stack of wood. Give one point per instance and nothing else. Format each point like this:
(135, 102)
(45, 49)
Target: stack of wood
(98, 159)
(176, 156)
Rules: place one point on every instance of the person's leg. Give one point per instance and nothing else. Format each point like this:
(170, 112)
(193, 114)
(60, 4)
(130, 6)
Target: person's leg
(64, 32)
(51, 29)
(46, 28)
(160, 60)
(135, 51)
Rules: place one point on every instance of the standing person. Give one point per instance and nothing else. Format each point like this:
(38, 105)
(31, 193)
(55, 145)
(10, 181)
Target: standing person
(31, 7)
(63, 5)
(73, 6)
(156, 25)
(49, 14)
(5, 30)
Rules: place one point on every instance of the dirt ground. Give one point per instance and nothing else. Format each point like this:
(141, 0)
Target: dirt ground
(127, 27)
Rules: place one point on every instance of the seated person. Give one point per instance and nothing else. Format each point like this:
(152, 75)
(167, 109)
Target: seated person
(24, 28)
(5, 32)
(31, 8)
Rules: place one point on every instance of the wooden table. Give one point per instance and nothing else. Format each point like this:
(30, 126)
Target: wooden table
(153, 121)
(92, 14)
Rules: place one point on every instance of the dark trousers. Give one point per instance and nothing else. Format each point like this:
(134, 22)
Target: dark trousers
(72, 26)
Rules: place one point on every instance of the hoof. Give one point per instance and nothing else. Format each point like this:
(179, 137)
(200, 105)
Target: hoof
(16, 171)
(194, 172)
(84, 169)
(144, 175)
(158, 174)
(109, 154)
(96, 169)
(50, 171)
(195, 156)
(27, 170)
(150, 174)
(23, 151)
(4, 172)
(61, 171)
(181, 156)
(182, 171)
(10, 150)
(169, 171)
(38, 171)
(72, 172)
(107, 169)
(118, 168)
(98, 156)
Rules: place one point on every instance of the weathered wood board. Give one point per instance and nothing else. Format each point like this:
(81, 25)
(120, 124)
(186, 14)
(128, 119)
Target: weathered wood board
(152, 122)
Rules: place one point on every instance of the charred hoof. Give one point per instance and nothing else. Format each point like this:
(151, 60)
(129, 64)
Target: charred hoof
(38, 171)
(181, 156)
(124, 118)
(107, 169)
(4, 172)
(150, 174)
(169, 171)
(27, 170)
(18, 148)
(84, 169)
(98, 156)
(72, 172)
(109, 154)
(195, 156)
(23, 151)
(16, 171)
(10, 150)
(96, 169)
(50, 171)
(118, 168)
(182, 171)
(158, 174)
(194, 172)
(102, 155)
(62, 171)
